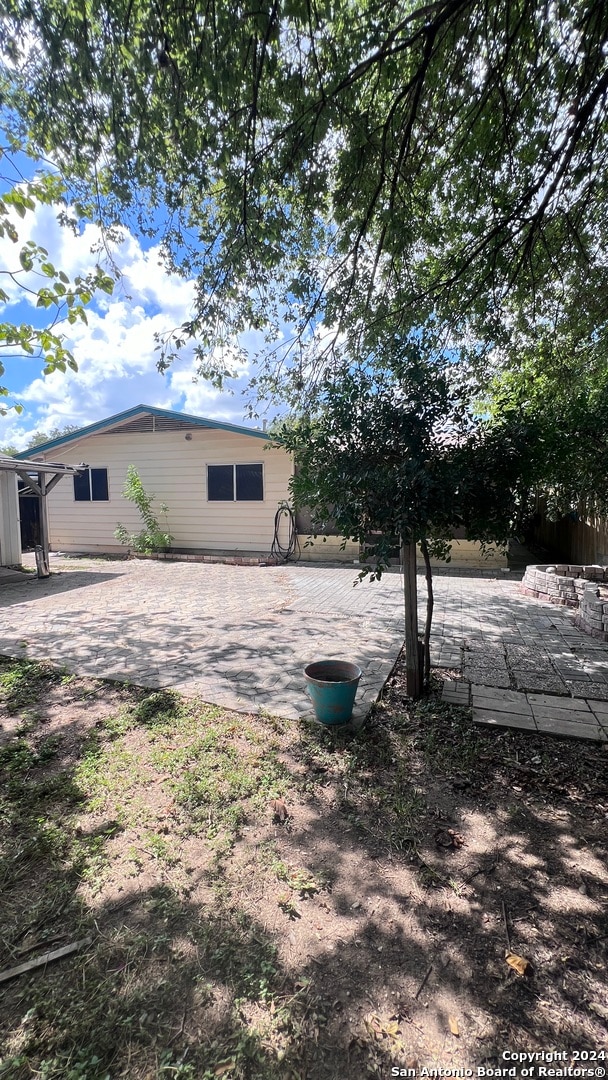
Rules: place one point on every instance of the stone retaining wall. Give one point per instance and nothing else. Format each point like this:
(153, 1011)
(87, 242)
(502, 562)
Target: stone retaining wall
(584, 588)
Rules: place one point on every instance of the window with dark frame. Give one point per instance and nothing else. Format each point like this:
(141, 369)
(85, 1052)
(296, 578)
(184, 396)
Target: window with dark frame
(91, 485)
(235, 483)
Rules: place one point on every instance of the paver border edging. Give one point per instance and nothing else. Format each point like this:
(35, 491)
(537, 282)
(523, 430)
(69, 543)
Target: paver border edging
(574, 586)
(226, 560)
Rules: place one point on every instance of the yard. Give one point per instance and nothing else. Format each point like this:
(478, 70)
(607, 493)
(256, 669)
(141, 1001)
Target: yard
(258, 898)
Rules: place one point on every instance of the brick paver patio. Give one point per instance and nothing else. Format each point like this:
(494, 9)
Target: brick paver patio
(237, 636)
(523, 662)
(240, 636)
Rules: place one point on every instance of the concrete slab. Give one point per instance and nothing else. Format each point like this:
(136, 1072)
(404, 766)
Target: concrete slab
(487, 678)
(10, 576)
(237, 636)
(529, 680)
(588, 689)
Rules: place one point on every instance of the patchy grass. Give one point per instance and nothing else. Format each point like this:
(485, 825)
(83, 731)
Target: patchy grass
(156, 774)
(335, 938)
(22, 685)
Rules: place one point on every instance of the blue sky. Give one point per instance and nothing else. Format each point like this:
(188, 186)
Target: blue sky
(115, 352)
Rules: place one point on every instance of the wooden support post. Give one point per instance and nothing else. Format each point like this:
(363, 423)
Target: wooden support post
(430, 604)
(413, 667)
(42, 565)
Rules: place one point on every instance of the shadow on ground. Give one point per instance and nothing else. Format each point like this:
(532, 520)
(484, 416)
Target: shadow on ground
(268, 900)
(30, 587)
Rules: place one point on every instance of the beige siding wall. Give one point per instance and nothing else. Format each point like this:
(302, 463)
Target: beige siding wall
(10, 533)
(328, 548)
(467, 554)
(174, 469)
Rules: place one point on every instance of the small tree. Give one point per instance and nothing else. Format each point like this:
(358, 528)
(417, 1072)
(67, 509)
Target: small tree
(151, 537)
(40, 437)
(399, 458)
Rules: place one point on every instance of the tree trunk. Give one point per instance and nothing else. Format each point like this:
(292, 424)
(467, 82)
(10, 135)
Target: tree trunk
(430, 603)
(413, 655)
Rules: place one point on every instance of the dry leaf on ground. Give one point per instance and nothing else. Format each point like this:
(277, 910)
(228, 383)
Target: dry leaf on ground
(279, 810)
(519, 964)
(449, 838)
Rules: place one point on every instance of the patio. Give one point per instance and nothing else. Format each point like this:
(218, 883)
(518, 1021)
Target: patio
(240, 636)
(236, 636)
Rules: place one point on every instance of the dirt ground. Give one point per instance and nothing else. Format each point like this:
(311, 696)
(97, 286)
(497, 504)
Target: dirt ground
(261, 898)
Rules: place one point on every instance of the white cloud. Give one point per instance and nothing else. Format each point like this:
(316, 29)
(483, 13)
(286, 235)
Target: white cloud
(201, 399)
(143, 279)
(115, 350)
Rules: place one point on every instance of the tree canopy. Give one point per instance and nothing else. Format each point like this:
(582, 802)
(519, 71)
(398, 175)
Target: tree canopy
(391, 456)
(395, 458)
(334, 174)
(40, 437)
(557, 394)
(349, 166)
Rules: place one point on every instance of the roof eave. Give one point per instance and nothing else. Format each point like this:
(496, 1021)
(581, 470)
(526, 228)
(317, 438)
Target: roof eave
(110, 421)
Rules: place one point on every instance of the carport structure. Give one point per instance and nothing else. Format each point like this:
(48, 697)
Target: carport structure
(39, 478)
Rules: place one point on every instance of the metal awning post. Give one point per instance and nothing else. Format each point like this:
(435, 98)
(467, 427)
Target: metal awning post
(42, 549)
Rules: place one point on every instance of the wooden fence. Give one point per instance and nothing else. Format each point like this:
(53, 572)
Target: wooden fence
(577, 538)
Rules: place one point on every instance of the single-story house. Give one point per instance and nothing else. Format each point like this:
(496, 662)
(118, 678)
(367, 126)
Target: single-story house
(222, 483)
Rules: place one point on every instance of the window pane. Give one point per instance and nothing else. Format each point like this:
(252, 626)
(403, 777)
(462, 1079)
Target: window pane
(99, 485)
(219, 483)
(82, 491)
(249, 483)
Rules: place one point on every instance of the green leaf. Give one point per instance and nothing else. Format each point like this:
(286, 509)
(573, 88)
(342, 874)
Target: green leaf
(25, 259)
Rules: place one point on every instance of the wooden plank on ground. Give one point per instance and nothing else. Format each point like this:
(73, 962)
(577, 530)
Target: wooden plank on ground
(503, 719)
(514, 708)
(571, 716)
(44, 959)
(558, 701)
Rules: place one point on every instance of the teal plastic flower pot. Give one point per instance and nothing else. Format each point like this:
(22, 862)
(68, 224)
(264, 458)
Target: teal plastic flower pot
(332, 687)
